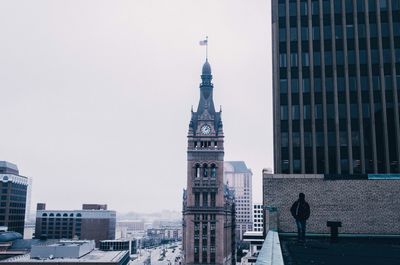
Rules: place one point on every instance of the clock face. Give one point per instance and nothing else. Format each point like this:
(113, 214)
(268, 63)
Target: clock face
(205, 129)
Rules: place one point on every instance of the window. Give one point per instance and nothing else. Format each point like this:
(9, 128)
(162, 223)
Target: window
(307, 139)
(305, 60)
(205, 171)
(284, 139)
(282, 34)
(353, 83)
(293, 59)
(282, 60)
(317, 58)
(315, 33)
(327, 32)
(293, 34)
(307, 112)
(354, 111)
(350, 31)
(328, 58)
(304, 33)
(318, 111)
(284, 112)
(317, 84)
(213, 171)
(292, 9)
(320, 138)
(338, 32)
(315, 8)
(306, 85)
(371, 5)
(383, 4)
(338, 6)
(343, 138)
(295, 86)
(342, 111)
(329, 84)
(197, 171)
(303, 8)
(282, 10)
(283, 86)
(360, 5)
(339, 57)
(295, 112)
(296, 139)
(341, 85)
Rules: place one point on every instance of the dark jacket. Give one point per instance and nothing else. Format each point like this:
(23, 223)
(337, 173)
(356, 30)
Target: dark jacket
(303, 210)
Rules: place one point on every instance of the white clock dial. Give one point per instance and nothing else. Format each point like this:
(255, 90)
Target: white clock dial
(205, 129)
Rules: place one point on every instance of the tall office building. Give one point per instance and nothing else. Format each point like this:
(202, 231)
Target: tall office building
(208, 205)
(13, 192)
(239, 179)
(336, 81)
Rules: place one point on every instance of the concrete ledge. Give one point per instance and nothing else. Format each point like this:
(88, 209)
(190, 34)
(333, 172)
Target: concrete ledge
(345, 235)
(293, 176)
(270, 253)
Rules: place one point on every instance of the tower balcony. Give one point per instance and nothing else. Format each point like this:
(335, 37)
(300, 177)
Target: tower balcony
(205, 182)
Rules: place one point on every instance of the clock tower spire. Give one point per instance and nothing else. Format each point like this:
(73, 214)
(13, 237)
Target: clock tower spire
(208, 208)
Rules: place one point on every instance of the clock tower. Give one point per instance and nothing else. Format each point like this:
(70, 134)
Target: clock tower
(208, 205)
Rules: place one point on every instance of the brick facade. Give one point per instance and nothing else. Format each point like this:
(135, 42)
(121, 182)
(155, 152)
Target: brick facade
(363, 206)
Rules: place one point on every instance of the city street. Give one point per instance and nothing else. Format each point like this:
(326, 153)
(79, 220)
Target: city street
(171, 252)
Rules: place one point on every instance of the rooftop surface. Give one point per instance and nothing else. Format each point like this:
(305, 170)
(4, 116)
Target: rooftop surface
(318, 251)
(94, 256)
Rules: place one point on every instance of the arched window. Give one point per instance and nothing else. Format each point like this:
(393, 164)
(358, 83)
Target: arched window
(78, 215)
(205, 171)
(65, 215)
(44, 214)
(197, 171)
(213, 171)
(51, 215)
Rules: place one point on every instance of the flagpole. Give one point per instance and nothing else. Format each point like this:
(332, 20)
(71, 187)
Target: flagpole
(206, 48)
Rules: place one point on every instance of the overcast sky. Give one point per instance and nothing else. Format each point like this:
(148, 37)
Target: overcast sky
(96, 95)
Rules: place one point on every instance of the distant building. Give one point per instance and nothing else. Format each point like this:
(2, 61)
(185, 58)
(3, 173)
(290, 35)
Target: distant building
(165, 233)
(13, 193)
(83, 224)
(239, 178)
(70, 253)
(258, 217)
(28, 201)
(119, 244)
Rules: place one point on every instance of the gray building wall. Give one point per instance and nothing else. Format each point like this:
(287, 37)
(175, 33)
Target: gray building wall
(363, 206)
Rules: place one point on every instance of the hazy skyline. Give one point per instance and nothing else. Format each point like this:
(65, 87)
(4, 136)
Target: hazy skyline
(96, 95)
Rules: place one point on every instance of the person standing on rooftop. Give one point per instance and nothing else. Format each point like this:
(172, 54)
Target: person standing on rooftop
(301, 212)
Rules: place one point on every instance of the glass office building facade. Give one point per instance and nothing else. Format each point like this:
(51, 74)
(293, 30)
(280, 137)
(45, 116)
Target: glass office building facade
(336, 86)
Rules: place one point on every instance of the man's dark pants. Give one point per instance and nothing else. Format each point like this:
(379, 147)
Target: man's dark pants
(301, 229)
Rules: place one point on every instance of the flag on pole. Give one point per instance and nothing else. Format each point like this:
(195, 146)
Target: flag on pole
(203, 42)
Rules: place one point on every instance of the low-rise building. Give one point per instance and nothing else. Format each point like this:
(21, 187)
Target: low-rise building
(70, 252)
(119, 244)
(85, 224)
